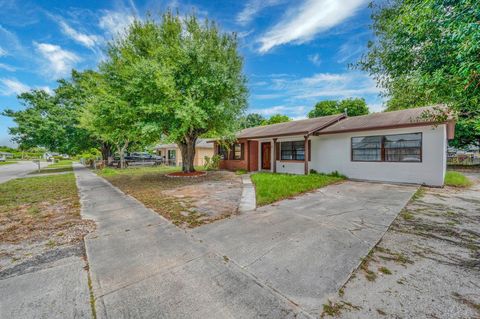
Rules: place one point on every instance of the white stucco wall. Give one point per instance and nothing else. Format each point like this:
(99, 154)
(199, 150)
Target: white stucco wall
(332, 153)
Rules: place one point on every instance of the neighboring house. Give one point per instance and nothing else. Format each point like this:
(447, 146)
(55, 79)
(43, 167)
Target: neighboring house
(4, 156)
(395, 146)
(172, 155)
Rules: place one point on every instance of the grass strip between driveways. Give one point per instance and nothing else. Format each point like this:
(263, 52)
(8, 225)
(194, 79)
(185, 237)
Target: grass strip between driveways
(8, 162)
(271, 187)
(58, 167)
(457, 179)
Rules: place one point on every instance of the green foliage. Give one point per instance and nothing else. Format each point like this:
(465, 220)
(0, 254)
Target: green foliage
(212, 163)
(271, 187)
(426, 52)
(275, 119)
(457, 179)
(354, 107)
(179, 78)
(51, 120)
(251, 120)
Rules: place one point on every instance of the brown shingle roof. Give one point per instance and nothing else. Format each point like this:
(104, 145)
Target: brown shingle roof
(402, 118)
(300, 127)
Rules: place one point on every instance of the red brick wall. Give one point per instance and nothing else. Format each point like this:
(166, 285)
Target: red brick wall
(235, 164)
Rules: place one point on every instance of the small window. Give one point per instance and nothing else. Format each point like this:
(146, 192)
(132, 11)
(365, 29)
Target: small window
(237, 151)
(292, 151)
(388, 148)
(222, 151)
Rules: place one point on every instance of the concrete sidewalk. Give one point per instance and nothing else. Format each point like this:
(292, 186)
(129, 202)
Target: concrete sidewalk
(142, 266)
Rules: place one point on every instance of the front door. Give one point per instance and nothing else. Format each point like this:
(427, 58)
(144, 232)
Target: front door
(266, 153)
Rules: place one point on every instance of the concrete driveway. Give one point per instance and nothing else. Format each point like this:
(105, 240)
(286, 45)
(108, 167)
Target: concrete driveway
(306, 248)
(17, 170)
(281, 261)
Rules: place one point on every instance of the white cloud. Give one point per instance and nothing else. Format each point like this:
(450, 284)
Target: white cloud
(7, 67)
(3, 52)
(12, 87)
(320, 85)
(315, 59)
(252, 8)
(294, 111)
(60, 61)
(88, 40)
(46, 88)
(303, 22)
(116, 22)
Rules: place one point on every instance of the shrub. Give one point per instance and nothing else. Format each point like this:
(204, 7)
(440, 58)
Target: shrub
(212, 163)
(312, 171)
(457, 179)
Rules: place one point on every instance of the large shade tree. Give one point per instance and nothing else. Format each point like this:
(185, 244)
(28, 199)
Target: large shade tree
(51, 120)
(107, 116)
(181, 77)
(353, 107)
(428, 52)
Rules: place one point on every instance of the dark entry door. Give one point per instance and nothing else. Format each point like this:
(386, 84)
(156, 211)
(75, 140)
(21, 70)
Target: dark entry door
(266, 153)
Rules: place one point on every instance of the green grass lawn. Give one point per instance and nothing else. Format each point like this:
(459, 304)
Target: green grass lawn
(457, 179)
(8, 162)
(58, 167)
(270, 187)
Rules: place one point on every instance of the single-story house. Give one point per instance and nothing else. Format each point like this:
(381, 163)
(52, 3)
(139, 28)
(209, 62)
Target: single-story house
(172, 155)
(400, 146)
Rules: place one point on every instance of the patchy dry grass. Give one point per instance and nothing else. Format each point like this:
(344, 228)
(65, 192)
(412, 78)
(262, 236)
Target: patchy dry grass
(429, 259)
(37, 208)
(177, 198)
(334, 309)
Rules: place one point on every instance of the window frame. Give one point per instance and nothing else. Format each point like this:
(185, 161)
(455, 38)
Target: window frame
(242, 153)
(382, 149)
(293, 150)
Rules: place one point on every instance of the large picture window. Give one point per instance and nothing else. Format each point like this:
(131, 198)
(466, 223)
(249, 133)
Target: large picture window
(388, 148)
(292, 151)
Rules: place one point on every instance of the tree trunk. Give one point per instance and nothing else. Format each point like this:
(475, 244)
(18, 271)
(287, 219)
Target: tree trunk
(187, 148)
(106, 150)
(121, 152)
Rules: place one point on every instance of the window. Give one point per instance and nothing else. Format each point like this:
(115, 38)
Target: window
(368, 148)
(403, 147)
(237, 151)
(222, 151)
(388, 148)
(292, 151)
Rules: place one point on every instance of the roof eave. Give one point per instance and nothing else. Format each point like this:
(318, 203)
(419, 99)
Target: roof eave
(376, 128)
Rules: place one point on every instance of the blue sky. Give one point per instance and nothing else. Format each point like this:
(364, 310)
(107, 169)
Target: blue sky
(296, 52)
